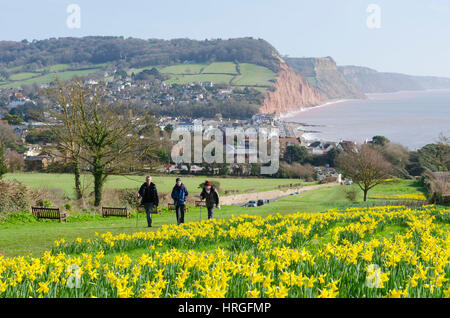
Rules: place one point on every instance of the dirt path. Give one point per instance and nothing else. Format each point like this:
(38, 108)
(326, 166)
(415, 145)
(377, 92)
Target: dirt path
(268, 195)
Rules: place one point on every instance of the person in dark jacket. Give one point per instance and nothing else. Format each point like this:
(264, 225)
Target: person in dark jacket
(211, 196)
(179, 196)
(150, 199)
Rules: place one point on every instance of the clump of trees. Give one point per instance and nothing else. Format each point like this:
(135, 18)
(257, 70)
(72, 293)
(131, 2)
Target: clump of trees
(296, 170)
(299, 154)
(296, 153)
(237, 110)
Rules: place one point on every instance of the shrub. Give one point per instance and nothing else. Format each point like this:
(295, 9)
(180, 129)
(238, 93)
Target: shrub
(296, 170)
(351, 194)
(13, 198)
(44, 203)
(129, 197)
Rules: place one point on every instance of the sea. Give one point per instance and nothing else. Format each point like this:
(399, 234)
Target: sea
(411, 118)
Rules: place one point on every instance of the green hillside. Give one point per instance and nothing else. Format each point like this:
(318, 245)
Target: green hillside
(24, 61)
(251, 75)
(47, 75)
(254, 75)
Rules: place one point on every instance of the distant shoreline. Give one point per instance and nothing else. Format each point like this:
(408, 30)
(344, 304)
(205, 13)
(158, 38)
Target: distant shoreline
(291, 114)
(284, 116)
(410, 118)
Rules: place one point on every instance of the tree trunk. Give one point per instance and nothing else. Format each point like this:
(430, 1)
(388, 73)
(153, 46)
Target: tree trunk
(98, 183)
(77, 172)
(365, 194)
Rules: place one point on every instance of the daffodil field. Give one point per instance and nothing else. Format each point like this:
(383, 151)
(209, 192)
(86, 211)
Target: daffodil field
(358, 252)
(419, 197)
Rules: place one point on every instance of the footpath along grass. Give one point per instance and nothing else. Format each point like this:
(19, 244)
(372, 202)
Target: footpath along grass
(34, 237)
(164, 183)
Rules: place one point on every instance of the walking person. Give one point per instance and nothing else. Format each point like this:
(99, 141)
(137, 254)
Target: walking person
(211, 196)
(179, 196)
(150, 199)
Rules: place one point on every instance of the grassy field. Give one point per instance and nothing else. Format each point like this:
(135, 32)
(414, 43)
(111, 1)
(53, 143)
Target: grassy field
(254, 75)
(22, 76)
(29, 78)
(198, 78)
(221, 67)
(54, 68)
(183, 69)
(219, 73)
(164, 183)
(37, 236)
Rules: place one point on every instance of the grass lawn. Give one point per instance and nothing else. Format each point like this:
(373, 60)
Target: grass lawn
(38, 236)
(164, 183)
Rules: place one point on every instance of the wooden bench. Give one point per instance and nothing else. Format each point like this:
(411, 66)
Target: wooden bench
(171, 207)
(200, 203)
(49, 213)
(121, 212)
(141, 209)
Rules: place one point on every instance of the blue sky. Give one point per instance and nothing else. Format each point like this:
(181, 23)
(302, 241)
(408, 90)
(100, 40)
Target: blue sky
(413, 38)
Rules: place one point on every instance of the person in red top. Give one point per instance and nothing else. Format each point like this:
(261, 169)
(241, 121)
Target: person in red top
(211, 196)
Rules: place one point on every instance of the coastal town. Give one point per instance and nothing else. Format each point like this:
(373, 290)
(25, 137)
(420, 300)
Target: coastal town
(29, 115)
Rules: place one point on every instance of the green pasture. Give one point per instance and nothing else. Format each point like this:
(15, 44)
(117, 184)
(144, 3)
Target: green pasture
(214, 78)
(254, 75)
(54, 68)
(183, 69)
(22, 76)
(164, 183)
(221, 68)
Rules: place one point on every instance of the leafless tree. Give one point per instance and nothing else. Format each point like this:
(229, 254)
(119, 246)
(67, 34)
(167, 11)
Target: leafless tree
(68, 97)
(7, 135)
(15, 161)
(106, 137)
(365, 166)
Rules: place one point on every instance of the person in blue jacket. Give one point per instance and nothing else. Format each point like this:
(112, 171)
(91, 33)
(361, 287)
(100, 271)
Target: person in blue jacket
(179, 196)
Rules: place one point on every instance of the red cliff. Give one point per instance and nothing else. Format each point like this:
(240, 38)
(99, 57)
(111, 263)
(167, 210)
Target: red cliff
(291, 93)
